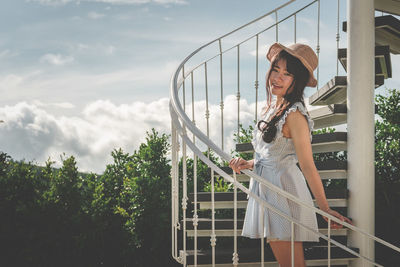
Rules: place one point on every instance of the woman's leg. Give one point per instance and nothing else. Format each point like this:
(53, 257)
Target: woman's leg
(282, 252)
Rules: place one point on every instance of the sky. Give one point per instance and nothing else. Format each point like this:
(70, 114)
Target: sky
(83, 77)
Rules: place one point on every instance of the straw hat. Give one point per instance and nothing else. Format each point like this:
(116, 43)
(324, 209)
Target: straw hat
(301, 51)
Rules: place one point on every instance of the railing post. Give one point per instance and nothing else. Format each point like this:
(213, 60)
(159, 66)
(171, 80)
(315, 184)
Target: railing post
(256, 82)
(238, 92)
(235, 259)
(195, 216)
(292, 243)
(183, 88)
(337, 37)
(329, 242)
(207, 110)
(184, 197)
(173, 221)
(213, 238)
(295, 28)
(276, 26)
(222, 95)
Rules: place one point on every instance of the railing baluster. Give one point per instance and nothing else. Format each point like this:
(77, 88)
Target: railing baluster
(193, 119)
(184, 197)
(256, 82)
(213, 236)
(173, 194)
(295, 28)
(195, 216)
(207, 110)
(276, 26)
(329, 242)
(222, 96)
(235, 258)
(183, 88)
(238, 92)
(292, 242)
(262, 237)
(175, 189)
(337, 38)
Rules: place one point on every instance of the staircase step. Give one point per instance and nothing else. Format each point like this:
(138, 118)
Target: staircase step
(250, 255)
(330, 169)
(335, 91)
(327, 142)
(203, 240)
(328, 116)
(230, 232)
(224, 200)
(387, 32)
(227, 224)
(313, 263)
(383, 65)
(341, 193)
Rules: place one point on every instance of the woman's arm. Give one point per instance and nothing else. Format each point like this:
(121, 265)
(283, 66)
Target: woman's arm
(298, 129)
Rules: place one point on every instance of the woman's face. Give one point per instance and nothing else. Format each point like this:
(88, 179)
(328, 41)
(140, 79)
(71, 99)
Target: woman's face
(280, 79)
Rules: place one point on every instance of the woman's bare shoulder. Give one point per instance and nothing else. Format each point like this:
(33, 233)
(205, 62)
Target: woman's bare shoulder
(296, 119)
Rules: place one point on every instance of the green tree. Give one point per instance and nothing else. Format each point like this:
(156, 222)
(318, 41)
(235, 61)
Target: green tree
(151, 201)
(387, 175)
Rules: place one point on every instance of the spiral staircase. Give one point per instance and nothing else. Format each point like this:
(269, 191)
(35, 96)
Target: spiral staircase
(201, 239)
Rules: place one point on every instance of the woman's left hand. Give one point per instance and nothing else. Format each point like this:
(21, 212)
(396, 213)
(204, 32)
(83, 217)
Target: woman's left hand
(336, 225)
(238, 164)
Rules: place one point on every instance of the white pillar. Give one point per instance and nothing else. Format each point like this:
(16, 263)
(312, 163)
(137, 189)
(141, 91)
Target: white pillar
(360, 122)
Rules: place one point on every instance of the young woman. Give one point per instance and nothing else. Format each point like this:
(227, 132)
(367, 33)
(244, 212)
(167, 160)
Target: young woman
(281, 139)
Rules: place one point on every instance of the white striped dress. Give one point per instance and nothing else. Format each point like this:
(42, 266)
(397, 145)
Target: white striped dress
(276, 162)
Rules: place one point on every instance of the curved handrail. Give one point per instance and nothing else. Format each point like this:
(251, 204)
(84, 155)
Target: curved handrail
(178, 114)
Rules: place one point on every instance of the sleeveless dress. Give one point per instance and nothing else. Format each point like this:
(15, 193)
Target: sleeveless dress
(276, 162)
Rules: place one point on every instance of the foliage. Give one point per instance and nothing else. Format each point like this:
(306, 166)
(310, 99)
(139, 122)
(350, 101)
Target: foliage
(219, 185)
(60, 217)
(245, 136)
(387, 138)
(387, 174)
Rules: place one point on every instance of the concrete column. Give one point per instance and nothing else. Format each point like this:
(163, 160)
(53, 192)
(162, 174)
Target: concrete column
(360, 122)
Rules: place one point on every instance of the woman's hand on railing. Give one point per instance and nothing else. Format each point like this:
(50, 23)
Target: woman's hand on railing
(238, 164)
(335, 225)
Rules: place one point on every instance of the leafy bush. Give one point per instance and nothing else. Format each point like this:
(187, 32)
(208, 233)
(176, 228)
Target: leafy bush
(60, 217)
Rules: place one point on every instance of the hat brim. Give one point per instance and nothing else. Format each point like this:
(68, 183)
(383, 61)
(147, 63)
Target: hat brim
(276, 48)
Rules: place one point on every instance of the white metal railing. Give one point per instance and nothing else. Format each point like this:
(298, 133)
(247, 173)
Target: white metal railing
(181, 124)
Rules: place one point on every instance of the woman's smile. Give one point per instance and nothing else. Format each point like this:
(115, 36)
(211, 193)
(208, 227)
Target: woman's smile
(280, 79)
(276, 86)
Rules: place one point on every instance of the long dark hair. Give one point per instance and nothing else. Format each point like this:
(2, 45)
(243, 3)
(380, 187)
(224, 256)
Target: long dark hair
(293, 94)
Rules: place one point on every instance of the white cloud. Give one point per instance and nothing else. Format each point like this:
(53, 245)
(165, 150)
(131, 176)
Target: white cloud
(63, 105)
(95, 15)
(92, 49)
(30, 132)
(56, 59)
